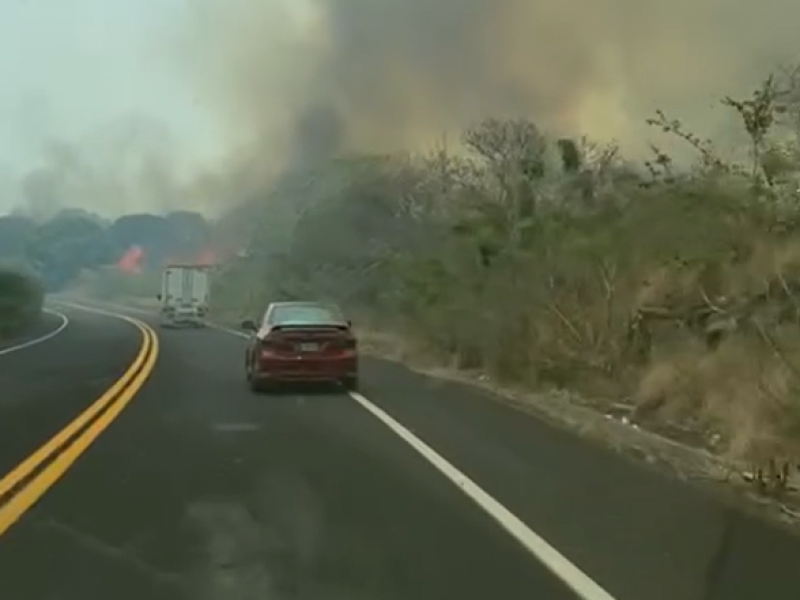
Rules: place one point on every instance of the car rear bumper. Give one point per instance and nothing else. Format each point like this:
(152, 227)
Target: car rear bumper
(306, 369)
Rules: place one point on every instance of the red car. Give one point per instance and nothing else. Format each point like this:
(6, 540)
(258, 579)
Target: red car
(301, 341)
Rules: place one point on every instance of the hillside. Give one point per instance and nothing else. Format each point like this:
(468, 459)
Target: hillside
(669, 294)
(665, 294)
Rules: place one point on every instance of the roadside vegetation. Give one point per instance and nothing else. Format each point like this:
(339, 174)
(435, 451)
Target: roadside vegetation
(111, 284)
(74, 246)
(671, 290)
(21, 300)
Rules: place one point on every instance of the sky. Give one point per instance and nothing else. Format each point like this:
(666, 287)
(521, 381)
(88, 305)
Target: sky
(388, 75)
(69, 70)
(121, 105)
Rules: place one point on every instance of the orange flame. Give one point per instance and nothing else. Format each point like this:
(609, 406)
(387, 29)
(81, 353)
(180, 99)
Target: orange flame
(131, 261)
(207, 258)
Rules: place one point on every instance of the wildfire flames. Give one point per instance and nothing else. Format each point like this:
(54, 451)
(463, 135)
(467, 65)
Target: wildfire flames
(206, 258)
(131, 261)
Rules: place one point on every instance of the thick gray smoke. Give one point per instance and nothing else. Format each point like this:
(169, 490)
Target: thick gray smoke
(127, 165)
(294, 81)
(388, 74)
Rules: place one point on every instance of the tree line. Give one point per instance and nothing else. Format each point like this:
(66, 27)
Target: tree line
(58, 249)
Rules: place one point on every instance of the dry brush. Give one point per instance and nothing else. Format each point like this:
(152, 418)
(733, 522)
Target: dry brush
(560, 264)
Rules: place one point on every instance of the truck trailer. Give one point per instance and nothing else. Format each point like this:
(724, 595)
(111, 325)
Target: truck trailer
(184, 296)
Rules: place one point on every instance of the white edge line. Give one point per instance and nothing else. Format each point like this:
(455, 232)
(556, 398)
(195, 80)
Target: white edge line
(114, 305)
(49, 335)
(151, 313)
(240, 334)
(558, 564)
(100, 311)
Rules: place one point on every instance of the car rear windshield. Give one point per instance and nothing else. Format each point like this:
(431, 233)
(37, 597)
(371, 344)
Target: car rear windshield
(306, 314)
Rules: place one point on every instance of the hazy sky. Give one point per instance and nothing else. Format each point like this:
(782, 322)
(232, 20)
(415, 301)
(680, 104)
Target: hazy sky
(241, 88)
(68, 68)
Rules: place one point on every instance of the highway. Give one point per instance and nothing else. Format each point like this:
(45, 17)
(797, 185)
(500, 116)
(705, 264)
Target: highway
(136, 465)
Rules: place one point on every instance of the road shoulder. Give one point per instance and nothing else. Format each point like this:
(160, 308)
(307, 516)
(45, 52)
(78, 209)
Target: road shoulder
(625, 523)
(612, 515)
(48, 326)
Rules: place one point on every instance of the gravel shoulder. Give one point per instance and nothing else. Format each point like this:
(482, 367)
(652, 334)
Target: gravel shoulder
(728, 481)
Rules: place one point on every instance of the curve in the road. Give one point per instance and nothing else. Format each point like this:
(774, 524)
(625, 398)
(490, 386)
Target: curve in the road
(42, 338)
(31, 479)
(233, 494)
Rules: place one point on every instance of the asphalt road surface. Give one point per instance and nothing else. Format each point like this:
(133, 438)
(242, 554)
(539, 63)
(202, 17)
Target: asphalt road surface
(50, 325)
(181, 484)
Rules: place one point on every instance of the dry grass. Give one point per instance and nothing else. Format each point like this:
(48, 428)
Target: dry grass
(674, 450)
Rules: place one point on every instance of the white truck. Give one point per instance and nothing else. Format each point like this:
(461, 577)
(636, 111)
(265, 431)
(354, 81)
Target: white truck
(184, 296)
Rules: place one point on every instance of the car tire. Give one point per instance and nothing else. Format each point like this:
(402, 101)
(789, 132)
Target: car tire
(259, 386)
(253, 383)
(256, 385)
(350, 384)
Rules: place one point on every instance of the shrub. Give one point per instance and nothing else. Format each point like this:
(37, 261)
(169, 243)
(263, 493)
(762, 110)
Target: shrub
(561, 264)
(21, 301)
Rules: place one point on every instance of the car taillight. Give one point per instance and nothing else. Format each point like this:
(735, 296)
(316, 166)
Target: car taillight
(267, 344)
(347, 343)
(272, 344)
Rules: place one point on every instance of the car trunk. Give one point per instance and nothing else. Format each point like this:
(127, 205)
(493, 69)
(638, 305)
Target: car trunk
(309, 352)
(316, 340)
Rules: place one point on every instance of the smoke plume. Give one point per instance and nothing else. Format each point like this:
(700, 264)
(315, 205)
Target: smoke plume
(309, 77)
(127, 164)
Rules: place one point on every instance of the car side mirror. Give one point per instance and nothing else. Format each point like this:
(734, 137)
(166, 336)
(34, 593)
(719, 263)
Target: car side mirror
(158, 297)
(249, 325)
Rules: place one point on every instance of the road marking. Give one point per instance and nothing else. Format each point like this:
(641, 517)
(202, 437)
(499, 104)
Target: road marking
(154, 312)
(112, 402)
(558, 564)
(229, 331)
(236, 427)
(61, 327)
(78, 302)
(29, 465)
(580, 583)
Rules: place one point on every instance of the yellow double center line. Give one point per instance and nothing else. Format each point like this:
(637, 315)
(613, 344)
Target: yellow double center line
(67, 445)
